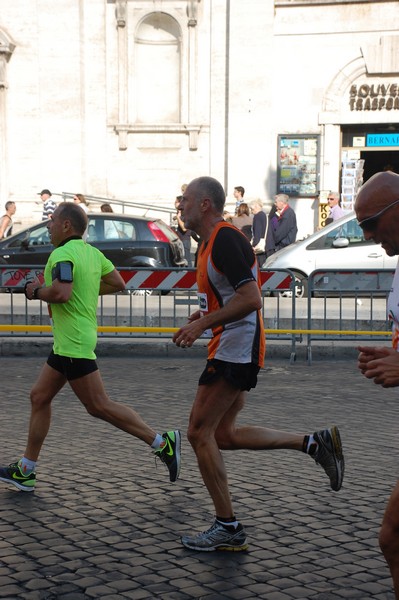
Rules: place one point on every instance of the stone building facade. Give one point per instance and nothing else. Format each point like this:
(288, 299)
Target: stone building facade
(128, 99)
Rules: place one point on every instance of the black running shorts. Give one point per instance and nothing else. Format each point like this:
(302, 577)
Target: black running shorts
(243, 376)
(72, 368)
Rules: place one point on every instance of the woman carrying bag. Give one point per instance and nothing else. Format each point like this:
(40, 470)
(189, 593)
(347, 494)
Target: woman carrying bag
(259, 231)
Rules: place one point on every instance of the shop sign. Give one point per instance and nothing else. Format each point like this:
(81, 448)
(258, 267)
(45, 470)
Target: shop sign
(375, 96)
(382, 139)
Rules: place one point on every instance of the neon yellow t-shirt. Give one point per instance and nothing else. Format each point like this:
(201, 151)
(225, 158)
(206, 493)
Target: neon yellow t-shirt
(75, 321)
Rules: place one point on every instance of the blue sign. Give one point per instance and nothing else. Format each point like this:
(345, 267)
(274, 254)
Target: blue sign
(382, 139)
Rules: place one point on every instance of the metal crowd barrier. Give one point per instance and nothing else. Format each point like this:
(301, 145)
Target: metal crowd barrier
(348, 305)
(156, 303)
(342, 306)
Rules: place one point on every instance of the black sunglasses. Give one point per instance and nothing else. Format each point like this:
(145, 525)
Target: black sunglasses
(371, 223)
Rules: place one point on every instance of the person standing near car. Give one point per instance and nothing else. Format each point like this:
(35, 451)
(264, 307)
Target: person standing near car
(377, 211)
(49, 205)
(183, 233)
(228, 281)
(81, 201)
(259, 231)
(336, 212)
(75, 275)
(6, 220)
(238, 194)
(286, 227)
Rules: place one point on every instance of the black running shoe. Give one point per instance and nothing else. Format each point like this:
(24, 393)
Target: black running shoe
(329, 455)
(13, 474)
(170, 453)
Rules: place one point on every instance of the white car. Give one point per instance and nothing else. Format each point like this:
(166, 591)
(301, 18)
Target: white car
(339, 245)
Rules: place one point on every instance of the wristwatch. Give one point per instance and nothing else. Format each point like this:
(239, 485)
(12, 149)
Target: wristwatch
(35, 293)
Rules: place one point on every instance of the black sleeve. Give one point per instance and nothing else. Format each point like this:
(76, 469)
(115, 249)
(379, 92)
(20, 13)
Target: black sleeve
(258, 227)
(232, 255)
(285, 225)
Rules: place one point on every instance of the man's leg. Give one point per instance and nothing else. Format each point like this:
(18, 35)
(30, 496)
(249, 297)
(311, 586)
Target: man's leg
(22, 473)
(211, 404)
(230, 437)
(46, 387)
(389, 537)
(212, 427)
(91, 392)
(323, 446)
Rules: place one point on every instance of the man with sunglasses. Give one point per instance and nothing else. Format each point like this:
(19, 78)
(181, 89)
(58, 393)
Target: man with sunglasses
(336, 212)
(377, 210)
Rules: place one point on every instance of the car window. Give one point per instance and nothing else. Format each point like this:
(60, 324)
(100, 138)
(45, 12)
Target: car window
(36, 237)
(349, 230)
(102, 229)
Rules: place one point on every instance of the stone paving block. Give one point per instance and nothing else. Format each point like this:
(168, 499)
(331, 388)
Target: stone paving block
(9, 591)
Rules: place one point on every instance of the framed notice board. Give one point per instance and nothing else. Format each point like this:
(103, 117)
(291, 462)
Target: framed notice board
(298, 165)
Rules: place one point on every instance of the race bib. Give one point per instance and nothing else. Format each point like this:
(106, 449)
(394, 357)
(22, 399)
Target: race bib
(203, 306)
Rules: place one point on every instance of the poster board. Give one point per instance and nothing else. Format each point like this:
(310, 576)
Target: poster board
(298, 165)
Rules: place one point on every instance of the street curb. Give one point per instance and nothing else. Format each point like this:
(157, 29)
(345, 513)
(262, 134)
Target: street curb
(164, 348)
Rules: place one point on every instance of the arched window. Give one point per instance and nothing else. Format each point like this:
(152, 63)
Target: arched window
(157, 60)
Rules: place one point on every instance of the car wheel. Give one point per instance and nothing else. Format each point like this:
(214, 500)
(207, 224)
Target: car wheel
(301, 290)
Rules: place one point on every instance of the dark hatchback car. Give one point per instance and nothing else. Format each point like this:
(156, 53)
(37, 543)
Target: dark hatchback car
(127, 241)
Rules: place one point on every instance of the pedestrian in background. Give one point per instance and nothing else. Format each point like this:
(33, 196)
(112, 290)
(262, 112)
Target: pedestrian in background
(377, 210)
(230, 310)
(242, 220)
(81, 201)
(6, 220)
(259, 226)
(286, 227)
(272, 224)
(106, 208)
(49, 205)
(75, 275)
(336, 212)
(183, 233)
(238, 194)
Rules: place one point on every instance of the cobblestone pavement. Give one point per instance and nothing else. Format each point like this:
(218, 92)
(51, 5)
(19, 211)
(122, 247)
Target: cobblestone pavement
(104, 521)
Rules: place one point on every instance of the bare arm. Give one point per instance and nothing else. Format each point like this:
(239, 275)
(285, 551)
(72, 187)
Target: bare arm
(4, 223)
(247, 299)
(57, 293)
(111, 283)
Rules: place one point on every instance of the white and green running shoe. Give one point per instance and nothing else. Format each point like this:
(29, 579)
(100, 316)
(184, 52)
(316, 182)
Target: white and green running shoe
(13, 474)
(170, 453)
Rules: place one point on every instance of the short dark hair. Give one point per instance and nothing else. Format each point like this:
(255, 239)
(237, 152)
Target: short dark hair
(8, 204)
(240, 189)
(75, 215)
